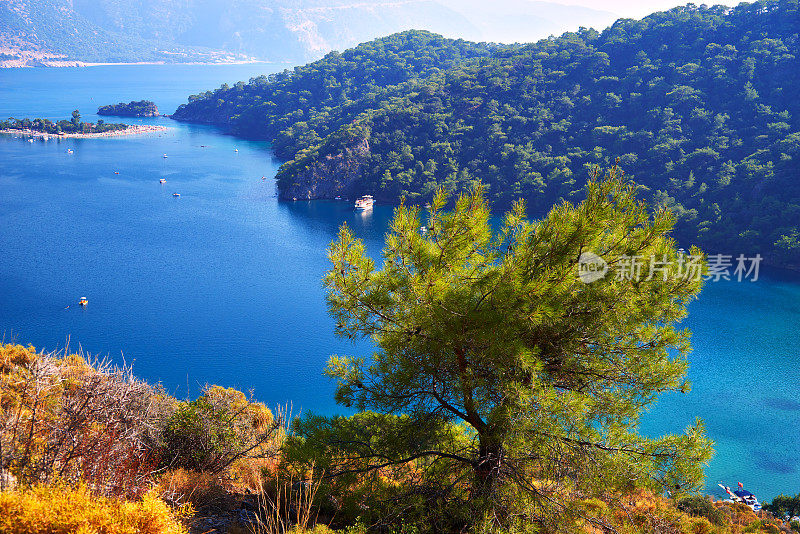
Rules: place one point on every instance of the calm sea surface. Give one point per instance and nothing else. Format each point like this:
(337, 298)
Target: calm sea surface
(223, 285)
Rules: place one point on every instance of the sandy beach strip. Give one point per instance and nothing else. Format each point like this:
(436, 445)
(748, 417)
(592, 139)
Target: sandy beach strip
(130, 130)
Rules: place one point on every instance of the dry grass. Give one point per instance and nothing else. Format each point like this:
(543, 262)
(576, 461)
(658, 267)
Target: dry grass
(287, 506)
(205, 492)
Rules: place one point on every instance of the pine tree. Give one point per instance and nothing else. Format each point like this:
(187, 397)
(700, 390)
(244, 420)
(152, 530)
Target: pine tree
(508, 368)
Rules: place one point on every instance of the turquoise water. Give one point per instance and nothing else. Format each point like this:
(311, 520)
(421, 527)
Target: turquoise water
(222, 285)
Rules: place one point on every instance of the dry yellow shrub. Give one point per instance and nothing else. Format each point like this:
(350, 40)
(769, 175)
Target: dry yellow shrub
(259, 416)
(739, 514)
(13, 355)
(202, 490)
(639, 512)
(644, 512)
(248, 474)
(54, 510)
(700, 525)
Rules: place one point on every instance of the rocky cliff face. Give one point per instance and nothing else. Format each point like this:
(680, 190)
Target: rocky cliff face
(328, 177)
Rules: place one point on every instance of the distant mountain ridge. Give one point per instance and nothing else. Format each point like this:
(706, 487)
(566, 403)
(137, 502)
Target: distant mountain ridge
(292, 31)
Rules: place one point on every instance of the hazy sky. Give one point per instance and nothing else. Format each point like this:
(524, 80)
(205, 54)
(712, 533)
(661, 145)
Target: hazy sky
(638, 8)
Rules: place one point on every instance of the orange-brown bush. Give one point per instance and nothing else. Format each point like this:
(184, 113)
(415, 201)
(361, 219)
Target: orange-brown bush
(204, 491)
(66, 419)
(643, 512)
(56, 510)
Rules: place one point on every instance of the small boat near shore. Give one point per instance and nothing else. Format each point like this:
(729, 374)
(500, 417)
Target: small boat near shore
(364, 203)
(743, 496)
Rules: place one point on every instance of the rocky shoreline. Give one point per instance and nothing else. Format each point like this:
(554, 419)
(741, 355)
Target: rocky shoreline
(130, 130)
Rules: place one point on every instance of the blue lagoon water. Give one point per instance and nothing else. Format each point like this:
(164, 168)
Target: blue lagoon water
(223, 285)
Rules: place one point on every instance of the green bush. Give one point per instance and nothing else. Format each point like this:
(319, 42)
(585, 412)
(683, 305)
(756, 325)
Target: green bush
(212, 432)
(755, 526)
(784, 506)
(194, 435)
(699, 506)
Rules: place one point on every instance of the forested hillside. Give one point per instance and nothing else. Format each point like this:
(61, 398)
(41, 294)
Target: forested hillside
(296, 108)
(699, 104)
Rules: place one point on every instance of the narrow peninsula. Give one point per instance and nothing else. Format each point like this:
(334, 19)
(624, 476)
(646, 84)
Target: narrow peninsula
(73, 128)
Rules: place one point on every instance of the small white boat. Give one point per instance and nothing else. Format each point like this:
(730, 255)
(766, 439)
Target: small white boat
(162, 180)
(165, 156)
(236, 150)
(30, 140)
(176, 194)
(364, 203)
(83, 301)
(743, 496)
(70, 151)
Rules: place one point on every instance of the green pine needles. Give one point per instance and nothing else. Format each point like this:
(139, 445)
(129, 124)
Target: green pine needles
(520, 385)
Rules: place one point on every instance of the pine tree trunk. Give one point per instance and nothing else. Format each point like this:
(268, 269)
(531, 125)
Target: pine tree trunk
(487, 470)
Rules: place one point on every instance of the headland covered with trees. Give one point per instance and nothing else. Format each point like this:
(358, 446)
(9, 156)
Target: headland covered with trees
(699, 104)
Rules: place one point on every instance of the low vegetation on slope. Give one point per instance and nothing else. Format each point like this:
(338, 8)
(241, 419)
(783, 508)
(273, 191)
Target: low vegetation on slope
(700, 105)
(56, 510)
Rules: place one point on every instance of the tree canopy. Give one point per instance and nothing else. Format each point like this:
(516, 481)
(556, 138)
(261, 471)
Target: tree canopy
(513, 385)
(140, 108)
